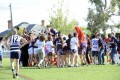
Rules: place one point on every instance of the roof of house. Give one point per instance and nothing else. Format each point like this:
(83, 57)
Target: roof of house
(4, 33)
(30, 27)
(21, 24)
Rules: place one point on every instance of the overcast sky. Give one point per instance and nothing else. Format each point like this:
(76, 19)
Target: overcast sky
(33, 11)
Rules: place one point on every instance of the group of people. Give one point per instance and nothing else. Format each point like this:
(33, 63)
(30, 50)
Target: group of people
(51, 48)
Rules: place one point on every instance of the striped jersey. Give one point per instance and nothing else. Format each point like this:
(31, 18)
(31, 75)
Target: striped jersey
(15, 43)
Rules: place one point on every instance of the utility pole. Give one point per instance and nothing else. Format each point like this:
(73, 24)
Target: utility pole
(11, 16)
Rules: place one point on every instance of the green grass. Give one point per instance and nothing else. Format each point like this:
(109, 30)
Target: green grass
(91, 72)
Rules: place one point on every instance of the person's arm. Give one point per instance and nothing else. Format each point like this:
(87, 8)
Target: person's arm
(77, 42)
(52, 44)
(24, 41)
(8, 43)
(100, 44)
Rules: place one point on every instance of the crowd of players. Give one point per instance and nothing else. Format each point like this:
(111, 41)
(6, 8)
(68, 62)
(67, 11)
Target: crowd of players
(52, 48)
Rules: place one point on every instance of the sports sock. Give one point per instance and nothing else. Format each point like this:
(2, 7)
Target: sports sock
(12, 71)
(16, 74)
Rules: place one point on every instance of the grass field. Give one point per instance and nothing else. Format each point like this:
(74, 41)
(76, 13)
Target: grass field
(91, 72)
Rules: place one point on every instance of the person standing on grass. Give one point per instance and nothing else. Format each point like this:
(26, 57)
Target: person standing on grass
(82, 50)
(68, 52)
(35, 51)
(59, 48)
(1, 52)
(41, 50)
(118, 47)
(94, 49)
(107, 48)
(74, 47)
(101, 49)
(13, 43)
(88, 55)
(49, 46)
(113, 48)
(30, 49)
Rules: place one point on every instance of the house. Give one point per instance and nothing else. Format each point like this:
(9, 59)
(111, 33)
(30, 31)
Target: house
(30, 27)
(35, 27)
(6, 32)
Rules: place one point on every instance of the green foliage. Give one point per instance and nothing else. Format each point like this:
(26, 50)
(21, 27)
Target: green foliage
(117, 35)
(20, 31)
(59, 19)
(99, 16)
(86, 31)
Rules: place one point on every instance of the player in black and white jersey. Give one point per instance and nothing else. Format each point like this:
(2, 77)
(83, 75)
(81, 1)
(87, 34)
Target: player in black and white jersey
(14, 45)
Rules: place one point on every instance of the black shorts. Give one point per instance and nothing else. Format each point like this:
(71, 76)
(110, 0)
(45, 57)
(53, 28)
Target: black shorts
(50, 54)
(74, 51)
(95, 53)
(0, 57)
(15, 55)
(81, 50)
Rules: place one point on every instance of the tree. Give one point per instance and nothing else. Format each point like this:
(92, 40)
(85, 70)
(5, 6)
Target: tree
(59, 19)
(100, 14)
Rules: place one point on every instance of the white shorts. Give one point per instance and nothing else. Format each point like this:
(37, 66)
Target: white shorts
(30, 51)
(108, 50)
(35, 50)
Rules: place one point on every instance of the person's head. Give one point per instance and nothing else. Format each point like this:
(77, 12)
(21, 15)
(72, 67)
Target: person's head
(112, 34)
(75, 34)
(93, 36)
(30, 36)
(49, 38)
(42, 38)
(69, 36)
(43, 22)
(14, 31)
(59, 33)
(98, 35)
(119, 37)
(48, 26)
(64, 38)
(87, 36)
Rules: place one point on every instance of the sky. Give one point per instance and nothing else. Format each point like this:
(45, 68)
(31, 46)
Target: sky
(33, 11)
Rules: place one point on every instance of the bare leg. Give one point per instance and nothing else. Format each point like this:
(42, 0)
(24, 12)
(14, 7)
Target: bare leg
(76, 59)
(17, 66)
(73, 59)
(58, 60)
(12, 65)
(35, 58)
